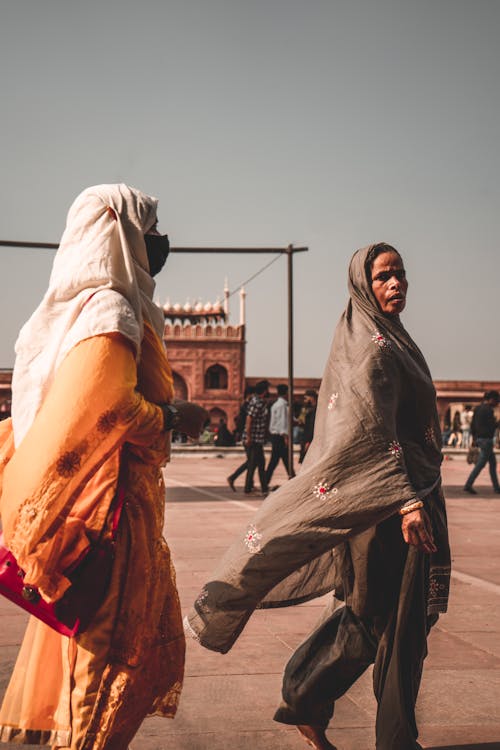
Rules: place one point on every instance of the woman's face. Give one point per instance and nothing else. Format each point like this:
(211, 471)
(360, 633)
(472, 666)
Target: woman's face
(389, 283)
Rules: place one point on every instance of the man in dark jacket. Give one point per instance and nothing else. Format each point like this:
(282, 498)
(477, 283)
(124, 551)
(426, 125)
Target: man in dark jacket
(483, 429)
(240, 427)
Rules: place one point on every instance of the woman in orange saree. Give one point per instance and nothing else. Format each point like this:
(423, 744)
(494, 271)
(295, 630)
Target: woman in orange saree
(91, 390)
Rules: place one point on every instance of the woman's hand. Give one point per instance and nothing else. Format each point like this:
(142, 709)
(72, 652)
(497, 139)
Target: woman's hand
(417, 530)
(192, 418)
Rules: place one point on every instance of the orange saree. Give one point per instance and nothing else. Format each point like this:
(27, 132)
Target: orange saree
(99, 418)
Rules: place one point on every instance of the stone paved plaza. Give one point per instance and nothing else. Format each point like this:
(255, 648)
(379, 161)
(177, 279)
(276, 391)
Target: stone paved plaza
(228, 701)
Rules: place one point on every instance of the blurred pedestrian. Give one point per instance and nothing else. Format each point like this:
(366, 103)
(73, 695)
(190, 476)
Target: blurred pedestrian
(483, 427)
(255, 436)
(446, 427)
(455, 438)
(207, 435)
(465, 424)
(240, 429)
(278, 430)
(223, 438)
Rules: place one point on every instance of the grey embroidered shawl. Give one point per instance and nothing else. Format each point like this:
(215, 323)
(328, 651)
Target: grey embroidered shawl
(376, 446)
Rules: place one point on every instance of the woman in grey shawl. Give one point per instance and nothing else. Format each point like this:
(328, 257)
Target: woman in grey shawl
(365, 517)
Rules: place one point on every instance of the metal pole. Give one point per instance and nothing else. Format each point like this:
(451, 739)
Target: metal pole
(199, 250)
(291, 471)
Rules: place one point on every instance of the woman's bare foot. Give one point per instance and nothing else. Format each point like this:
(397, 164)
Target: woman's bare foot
(315, 737)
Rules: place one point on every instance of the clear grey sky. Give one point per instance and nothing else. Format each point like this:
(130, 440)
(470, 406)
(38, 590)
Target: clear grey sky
(326, 123)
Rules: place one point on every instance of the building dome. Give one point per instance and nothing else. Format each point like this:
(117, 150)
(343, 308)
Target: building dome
(208, 307)
(177, 308)
(198, 307)
(188, 307)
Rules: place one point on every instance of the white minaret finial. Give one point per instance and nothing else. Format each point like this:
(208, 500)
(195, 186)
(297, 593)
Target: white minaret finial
(226, 298)
(243, 294)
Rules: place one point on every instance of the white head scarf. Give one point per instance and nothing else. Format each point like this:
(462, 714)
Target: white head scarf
(100, 283)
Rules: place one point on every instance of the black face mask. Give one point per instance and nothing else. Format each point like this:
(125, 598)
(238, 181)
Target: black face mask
(157, 248)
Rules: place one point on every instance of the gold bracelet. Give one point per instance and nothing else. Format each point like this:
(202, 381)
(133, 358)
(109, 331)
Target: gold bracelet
(410, 508)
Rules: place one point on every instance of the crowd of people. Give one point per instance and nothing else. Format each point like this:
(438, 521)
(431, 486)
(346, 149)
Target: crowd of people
(458, 429)
(263, 417)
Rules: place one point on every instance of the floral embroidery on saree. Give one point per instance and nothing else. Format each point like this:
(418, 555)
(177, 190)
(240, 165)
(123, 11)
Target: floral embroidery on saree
(438, 591)
(333, 401)
(323, 490)
(202, 598)
(430, 436)
(252, 540)
(68, 464)
(107, 421)
(382, 341)
(395, 450)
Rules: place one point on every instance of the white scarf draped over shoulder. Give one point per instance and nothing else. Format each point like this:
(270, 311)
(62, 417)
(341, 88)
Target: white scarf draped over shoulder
(100, 283)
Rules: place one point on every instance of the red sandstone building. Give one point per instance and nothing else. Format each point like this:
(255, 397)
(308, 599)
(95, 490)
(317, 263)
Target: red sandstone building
(207, 355)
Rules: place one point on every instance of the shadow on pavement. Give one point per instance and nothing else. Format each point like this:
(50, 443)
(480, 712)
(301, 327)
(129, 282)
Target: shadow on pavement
(207, 494)
(474, 746)
(457, 491)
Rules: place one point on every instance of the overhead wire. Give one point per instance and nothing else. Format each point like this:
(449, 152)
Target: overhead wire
(254, 276)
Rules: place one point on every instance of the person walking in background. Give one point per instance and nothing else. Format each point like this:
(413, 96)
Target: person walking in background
(224, 438)
(465, 423)
(240, 429)
(278, 430)
(446, 427)
(207, 435)
(455, 438)
(483, 427)
(308, 419)
(92, 412)
(255, 436)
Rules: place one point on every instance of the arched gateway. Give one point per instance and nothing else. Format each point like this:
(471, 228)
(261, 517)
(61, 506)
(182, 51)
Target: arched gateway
(207, 355)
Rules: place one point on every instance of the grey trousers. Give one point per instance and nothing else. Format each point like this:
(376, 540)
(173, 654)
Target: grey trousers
(342, 647)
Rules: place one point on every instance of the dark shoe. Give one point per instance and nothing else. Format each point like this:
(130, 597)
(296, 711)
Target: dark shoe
(470, 490)
(315, 737)
(230, 482)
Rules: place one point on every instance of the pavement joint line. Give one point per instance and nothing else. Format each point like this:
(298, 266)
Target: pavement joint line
(465, 641)
(275, 635)
(474, 581)
(200, 491)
